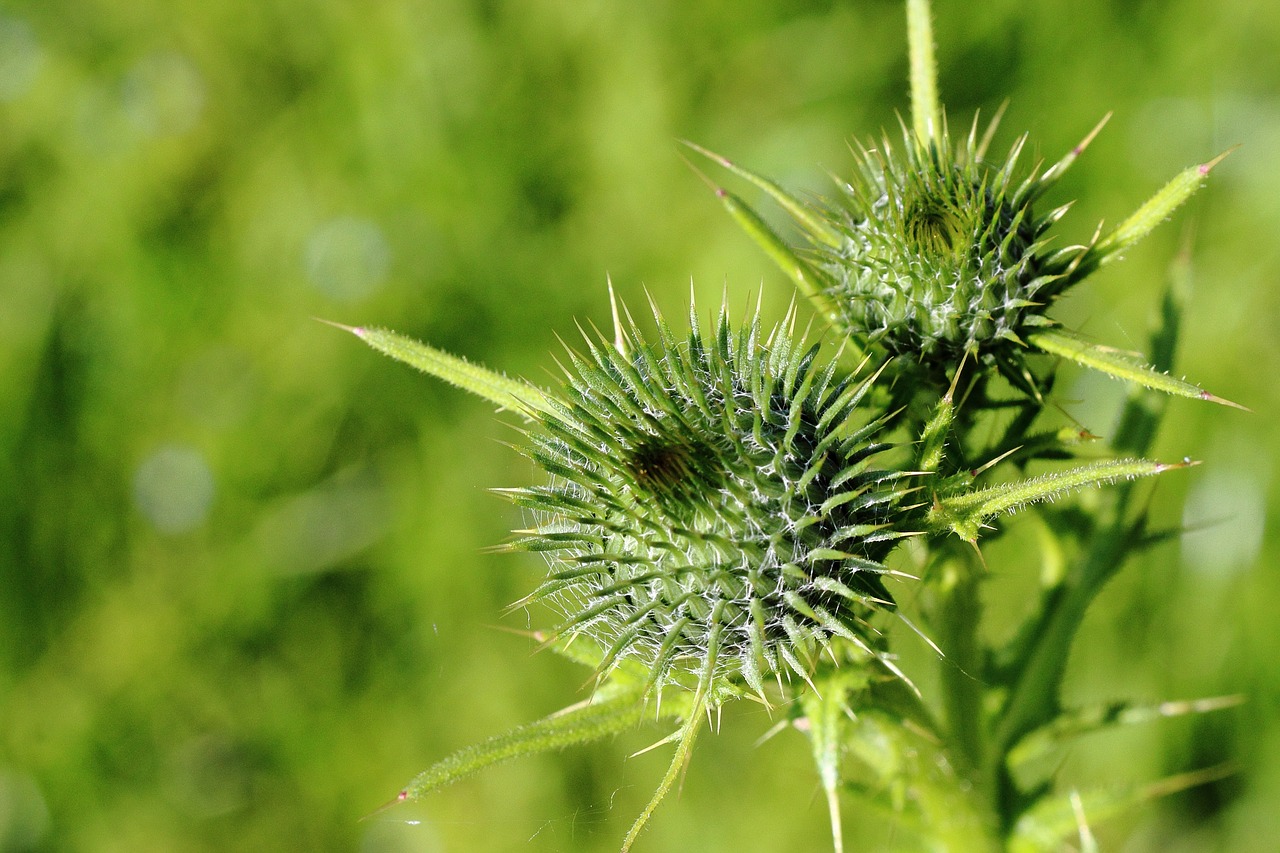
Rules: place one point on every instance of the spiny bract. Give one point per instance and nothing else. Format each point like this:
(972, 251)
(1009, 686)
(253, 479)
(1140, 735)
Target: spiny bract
(716, 512)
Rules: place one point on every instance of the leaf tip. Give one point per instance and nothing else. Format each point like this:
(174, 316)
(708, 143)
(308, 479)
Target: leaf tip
(1222, 401)
(1097, 128)
(1187, 462)
(392, 803)
(1206, 168)
(358, 331)
(709, 154)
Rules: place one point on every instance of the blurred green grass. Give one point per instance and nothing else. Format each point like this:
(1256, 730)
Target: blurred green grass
(243, 594)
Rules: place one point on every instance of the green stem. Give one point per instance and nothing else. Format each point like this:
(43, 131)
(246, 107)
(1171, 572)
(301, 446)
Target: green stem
(963, 688)
(1034, 698)
(684, 749)
(959, 616)
(924, 71)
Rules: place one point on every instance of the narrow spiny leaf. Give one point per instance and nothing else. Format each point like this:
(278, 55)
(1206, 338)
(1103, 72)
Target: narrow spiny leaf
(1155, 210)
(965, 513)
(576, 725)
(503, 392)
(1105, 360)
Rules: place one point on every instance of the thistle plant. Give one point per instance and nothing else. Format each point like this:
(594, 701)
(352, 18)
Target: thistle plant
(724, 511)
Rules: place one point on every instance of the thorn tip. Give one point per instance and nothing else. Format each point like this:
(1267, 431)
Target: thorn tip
(358, 331)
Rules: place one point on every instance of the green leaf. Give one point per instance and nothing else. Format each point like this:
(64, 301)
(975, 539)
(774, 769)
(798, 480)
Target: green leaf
(625, 676)
(1036, 659)
(933, 438)
(826, 712)
(503, 392)
(577, 724)
(1053, 820)
(810, 281)
(1144, 408)
(1156, 210)
(1118, 365)
(1067, 726)
(684, 737)
(965, 513)
(1054, 172)
(818, 229)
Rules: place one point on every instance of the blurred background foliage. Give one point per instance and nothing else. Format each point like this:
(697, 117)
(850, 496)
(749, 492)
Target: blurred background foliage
(243, 589)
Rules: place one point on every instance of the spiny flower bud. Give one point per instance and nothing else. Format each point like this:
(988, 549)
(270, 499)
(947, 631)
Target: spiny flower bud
(716, 512)
(938, 255)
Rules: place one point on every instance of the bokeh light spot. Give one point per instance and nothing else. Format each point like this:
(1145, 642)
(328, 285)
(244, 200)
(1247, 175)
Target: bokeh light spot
(173, 488)
(320, 528)
(20, 58)
(163, 94)
(347, 258)
(1224, 516)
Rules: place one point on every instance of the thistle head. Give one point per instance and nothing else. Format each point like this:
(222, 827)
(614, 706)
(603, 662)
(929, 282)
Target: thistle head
(716, 512)
(938, 254)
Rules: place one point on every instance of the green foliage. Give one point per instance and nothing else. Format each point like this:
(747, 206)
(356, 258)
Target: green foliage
(245, 585)
(719, 515)
(721, 510)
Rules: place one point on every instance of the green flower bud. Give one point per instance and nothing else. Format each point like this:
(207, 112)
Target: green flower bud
(716, 512)
(937, 255)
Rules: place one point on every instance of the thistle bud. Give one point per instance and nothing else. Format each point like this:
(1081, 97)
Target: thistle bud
(938, 255)
(716, 511)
